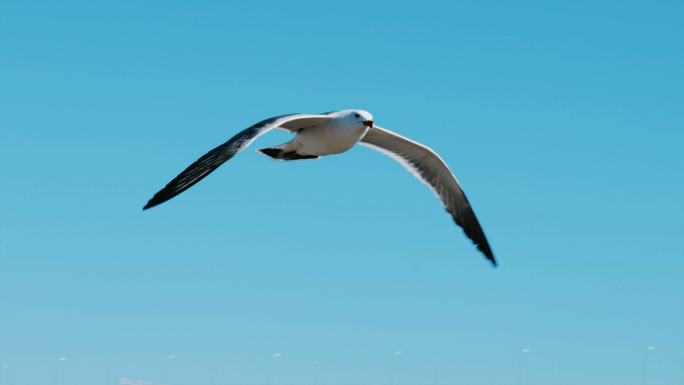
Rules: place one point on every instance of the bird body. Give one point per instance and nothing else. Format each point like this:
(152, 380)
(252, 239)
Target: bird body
(334, 133)
(333, 136)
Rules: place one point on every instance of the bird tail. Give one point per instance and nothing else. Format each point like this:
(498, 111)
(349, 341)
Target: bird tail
(278, 153)
(272, 152)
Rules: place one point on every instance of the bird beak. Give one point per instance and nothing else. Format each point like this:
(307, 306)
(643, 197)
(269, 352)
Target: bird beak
(368, 123)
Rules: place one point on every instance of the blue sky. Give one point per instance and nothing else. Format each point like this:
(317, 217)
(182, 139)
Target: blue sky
(563, 122)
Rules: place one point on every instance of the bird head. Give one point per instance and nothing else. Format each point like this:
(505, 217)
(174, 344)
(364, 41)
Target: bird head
(360, 117)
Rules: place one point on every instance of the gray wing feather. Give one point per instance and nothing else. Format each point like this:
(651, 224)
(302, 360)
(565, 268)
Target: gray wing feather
(430, 169)
(216, 157)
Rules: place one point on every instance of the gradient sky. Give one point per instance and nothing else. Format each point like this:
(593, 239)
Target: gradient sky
(563, 121)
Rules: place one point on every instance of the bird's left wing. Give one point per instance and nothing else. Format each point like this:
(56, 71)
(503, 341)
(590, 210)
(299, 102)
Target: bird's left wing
(430, 169)
(213, 159)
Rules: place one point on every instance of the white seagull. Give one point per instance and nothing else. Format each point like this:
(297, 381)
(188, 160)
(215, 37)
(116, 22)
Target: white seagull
(334, 133)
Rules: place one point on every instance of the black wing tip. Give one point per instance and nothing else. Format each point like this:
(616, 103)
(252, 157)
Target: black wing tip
(160, 197)
(151, 204)
(484, 249)
(488, 254)
(493, 261)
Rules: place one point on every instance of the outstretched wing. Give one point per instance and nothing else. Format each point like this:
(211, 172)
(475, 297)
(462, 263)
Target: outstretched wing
(430, 169)
(213, 159)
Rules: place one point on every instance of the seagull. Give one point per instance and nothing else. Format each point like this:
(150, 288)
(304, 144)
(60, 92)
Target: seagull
(334, 133)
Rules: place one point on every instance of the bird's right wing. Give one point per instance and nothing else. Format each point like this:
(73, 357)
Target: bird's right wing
(213, 159)
(430, 169)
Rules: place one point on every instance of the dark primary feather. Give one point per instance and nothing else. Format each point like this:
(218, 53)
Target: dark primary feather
(216, 157)
(426, 165)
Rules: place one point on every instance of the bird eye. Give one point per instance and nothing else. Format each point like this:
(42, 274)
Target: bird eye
(357, 115)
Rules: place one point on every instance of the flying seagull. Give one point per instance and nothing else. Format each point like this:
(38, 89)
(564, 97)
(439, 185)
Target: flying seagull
(334, 133)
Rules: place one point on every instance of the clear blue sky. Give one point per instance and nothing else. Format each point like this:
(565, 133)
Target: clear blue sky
(563, 121)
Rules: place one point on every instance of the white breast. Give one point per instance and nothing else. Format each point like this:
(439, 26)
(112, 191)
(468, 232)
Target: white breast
(328, 139)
